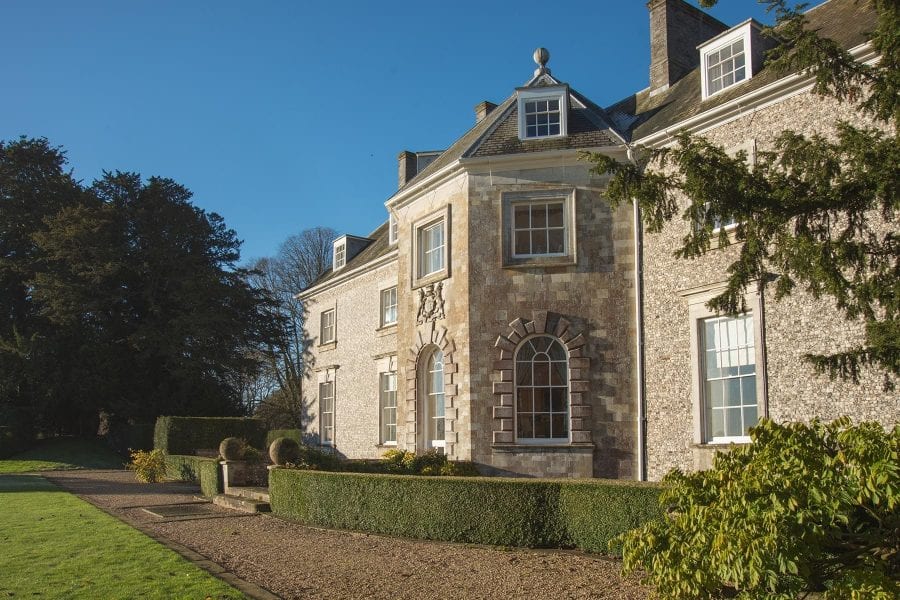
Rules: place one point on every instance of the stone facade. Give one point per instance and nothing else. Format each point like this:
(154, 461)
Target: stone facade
(486, 298)
(790, 327)
(361, 350)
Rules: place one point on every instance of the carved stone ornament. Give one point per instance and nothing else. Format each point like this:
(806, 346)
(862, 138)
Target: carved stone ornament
(431, 303)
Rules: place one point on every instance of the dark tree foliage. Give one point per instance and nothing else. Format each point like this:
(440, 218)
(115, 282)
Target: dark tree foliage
(814, 212)
(122, 297)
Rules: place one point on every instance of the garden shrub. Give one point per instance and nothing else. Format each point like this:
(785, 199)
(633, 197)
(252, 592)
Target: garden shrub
(123, 437)
(148, 467)
(284, 450)
(486, 510)
(17, 433)
(430, 462)
(196, 469)
(293, 434)
(804, 508)
(187, 435)
(232, 448)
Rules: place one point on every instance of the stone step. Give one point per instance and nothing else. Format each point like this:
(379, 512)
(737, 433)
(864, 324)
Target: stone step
(246, 505)
(253, 493)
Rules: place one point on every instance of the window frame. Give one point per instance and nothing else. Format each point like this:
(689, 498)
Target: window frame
(537, 441)
(747, 31)
(698, 313)
(511, 200)
(322, 327)
(322, 429)
(418, 277)
(383, 322)
(383, 421)
(559, 93)
(425, 383)
(393, 229)
(339, 255)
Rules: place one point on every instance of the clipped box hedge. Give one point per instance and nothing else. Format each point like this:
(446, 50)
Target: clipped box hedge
(500, 511)
(198, 469)
(186, 435)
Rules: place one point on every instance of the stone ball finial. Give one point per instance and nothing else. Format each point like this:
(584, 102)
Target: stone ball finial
(541, 56)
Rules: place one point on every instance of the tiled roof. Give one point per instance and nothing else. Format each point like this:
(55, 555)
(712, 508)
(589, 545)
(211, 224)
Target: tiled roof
(848, 22)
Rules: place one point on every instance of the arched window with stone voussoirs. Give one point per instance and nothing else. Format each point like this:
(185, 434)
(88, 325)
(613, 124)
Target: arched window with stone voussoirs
(541, 391)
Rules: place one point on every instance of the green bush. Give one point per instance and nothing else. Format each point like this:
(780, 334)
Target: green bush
(17, 433)
(405, 462)
(186, 435)
(498, 511)
(291, 434)
(148, 467)
(284, 451)
(804, 508)
(197, 469)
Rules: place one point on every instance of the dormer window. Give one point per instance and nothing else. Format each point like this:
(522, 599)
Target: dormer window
(340, 254)
(731, 57)
(542, 112)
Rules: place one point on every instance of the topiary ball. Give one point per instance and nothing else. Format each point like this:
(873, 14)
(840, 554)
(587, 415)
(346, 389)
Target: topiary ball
(284, 450)
(232, 448)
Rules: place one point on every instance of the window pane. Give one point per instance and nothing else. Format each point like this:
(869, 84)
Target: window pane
(714, 393)
(717, 424)
(740, 74)
(732, 392)
(558, 373)
(531, 119)
(525, 426)
(555, 215)
(554, 105)
(542, 426)
(712, 368)
(748, 390)
(556, 351)
(541, 373)
(523, 242)
(539, 241)
(558, 400)
(530, 107)
(538, 215)
(733, 422)
(560, 426)
(522, 216)
(531, 131)
(556, 241)
(750, 417)
(541, 400)
(526, 351)
(524, 403)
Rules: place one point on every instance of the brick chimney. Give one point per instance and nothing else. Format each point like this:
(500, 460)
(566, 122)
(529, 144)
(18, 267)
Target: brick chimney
(676, 29)
(483, 109)
(407, 167)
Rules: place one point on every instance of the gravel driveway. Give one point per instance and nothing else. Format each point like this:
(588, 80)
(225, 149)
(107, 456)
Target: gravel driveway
(294, 561)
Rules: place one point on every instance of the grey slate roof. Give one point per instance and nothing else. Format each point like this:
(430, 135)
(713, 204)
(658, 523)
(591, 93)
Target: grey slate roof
(498, 132)
(379, 247)
(848, 22)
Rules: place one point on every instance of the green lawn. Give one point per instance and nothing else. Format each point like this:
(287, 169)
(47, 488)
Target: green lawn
(55, 545)
(62, 453)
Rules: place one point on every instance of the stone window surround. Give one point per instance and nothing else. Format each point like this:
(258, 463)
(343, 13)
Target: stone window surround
(697, 311)
(504, 435)
(429, 337)
(556, 92)
(443, 214)
(509, 199)
(393, 228)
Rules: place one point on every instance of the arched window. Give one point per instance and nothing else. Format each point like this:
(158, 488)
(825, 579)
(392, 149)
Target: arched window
(433, 400)
(542, 391)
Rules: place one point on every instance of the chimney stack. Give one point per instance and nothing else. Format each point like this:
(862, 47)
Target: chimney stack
(483, 109)
(676, 29)
(407, 167)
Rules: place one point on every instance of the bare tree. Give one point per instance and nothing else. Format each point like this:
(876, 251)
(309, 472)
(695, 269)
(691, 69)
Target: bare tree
(301, 259)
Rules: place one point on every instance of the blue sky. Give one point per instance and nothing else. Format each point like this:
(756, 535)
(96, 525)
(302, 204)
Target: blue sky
(286, 115)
